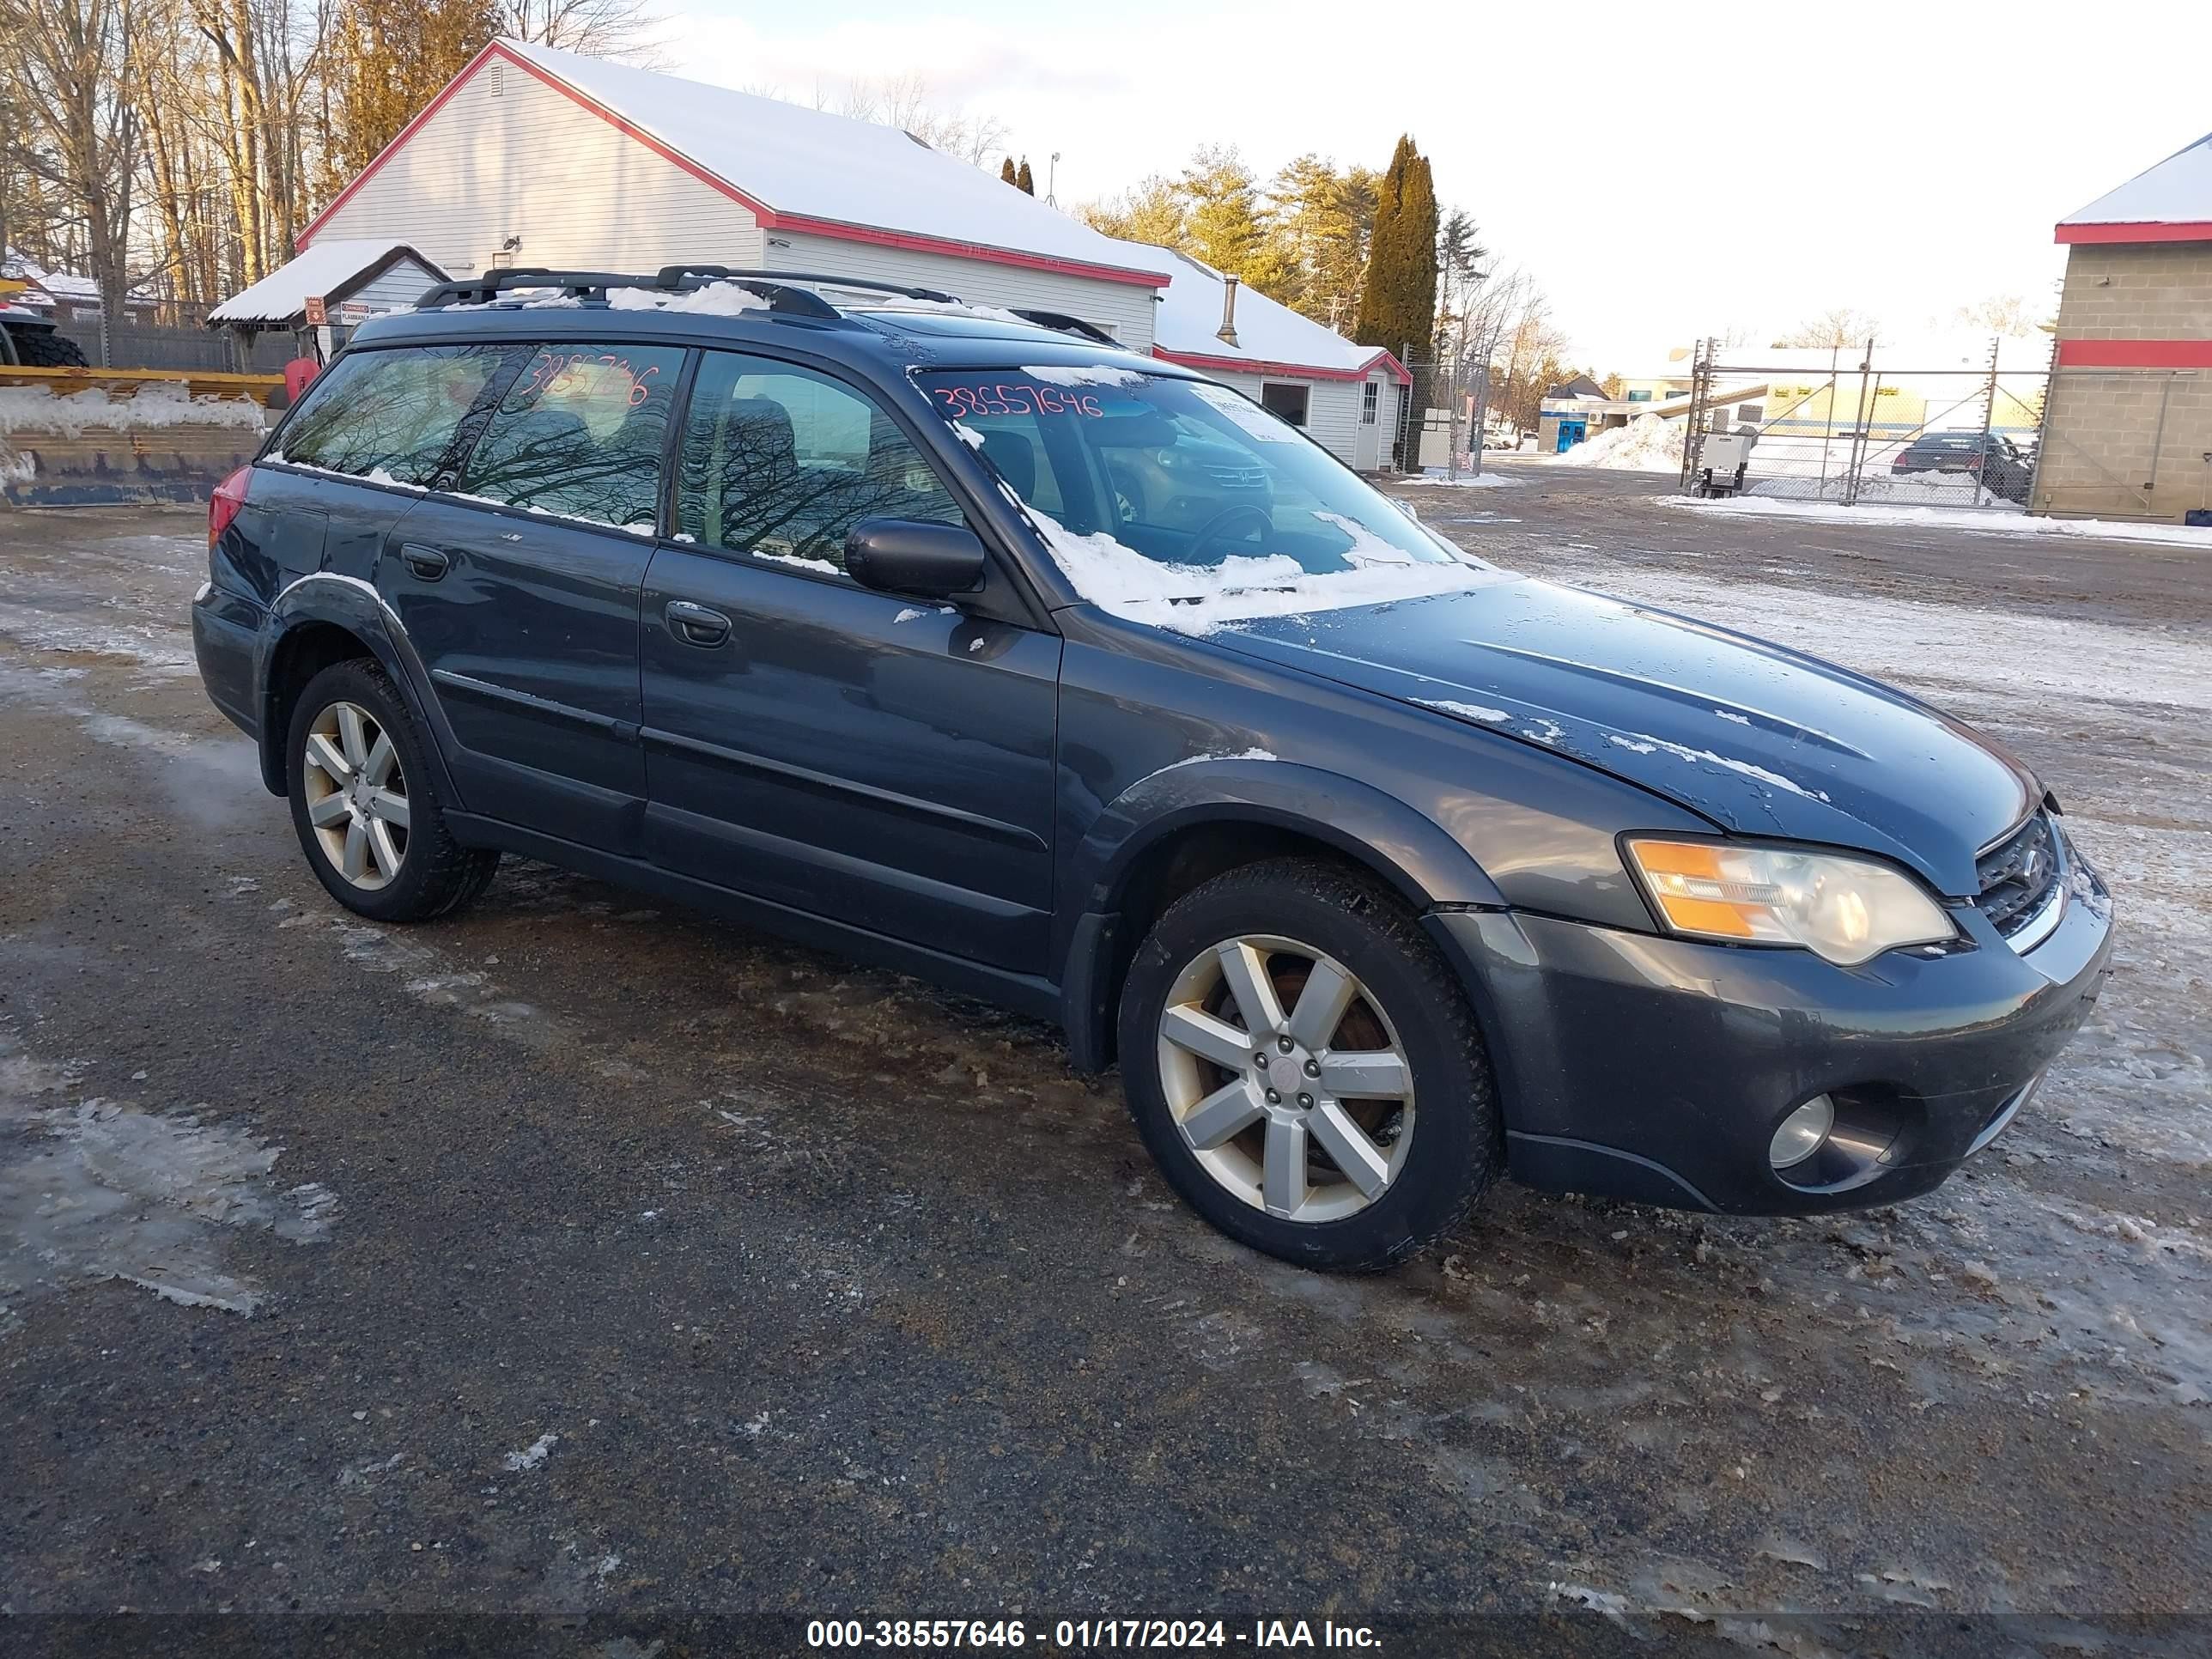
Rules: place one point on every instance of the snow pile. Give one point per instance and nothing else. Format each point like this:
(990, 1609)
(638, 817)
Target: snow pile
(36, 408)
(1996, 524)
(1466, 481)
(714, 300)
(1199, 599)
(1646, 444)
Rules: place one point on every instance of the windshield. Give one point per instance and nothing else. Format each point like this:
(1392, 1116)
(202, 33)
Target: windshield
(1187, 503)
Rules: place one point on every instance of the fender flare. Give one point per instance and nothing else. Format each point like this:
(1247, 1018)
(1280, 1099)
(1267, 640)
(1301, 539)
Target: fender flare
(350, 603)
(1411, 852)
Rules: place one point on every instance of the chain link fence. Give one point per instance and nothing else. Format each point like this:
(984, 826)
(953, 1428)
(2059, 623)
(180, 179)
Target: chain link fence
(1449, 403)
(170, 335)
(1851, 426)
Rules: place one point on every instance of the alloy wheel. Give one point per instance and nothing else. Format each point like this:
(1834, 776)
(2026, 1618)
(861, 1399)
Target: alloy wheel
(356, 795)
(1286, 1078)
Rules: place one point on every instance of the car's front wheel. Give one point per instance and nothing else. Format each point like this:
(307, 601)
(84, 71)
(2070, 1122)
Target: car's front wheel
(1305, 1069)
(367, 815)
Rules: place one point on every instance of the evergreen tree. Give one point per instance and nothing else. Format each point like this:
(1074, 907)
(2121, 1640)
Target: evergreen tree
(1398, 301)
(387, 59)
(1024, 181)
(1149, 212)
(1322, 218)
(1228, 222)
(1006, 172)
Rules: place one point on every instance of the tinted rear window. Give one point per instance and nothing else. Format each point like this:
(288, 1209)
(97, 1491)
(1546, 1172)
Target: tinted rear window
(392, 415)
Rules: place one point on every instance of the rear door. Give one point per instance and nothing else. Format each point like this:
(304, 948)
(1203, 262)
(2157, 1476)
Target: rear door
(882, 762)
(519, 585)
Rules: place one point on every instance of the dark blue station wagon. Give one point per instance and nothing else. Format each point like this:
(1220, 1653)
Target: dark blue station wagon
(967, 643)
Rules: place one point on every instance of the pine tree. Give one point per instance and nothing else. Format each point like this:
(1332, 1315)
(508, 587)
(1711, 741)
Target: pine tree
(1024, 181)
(1006, 172)
(1398, 302)
(1150, 210)
(388, 59)
(1321, 219)
(1228, 225)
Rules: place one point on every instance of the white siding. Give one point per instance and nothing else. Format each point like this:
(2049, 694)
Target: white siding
(1121, 308)
(508, 156)
(1332, 409)
(396, 289)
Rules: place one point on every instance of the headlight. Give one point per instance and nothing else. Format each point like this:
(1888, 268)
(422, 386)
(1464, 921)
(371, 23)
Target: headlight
(1847, 910)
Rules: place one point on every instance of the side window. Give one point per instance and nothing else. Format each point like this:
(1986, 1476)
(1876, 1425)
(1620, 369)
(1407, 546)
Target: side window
(780, 462)
(579, 434)
(392, 415)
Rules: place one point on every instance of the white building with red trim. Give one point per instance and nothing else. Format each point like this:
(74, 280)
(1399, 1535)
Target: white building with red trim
(2128, 426)
(533, 156)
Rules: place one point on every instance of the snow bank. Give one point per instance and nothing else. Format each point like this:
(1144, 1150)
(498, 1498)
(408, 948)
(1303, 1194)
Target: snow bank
(1199, 599)
(714, 300)
(36, 408)
(1466, 481)
(1646, 444)
(1996, 524)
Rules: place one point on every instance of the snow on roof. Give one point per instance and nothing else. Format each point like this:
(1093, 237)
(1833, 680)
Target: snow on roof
(2176, 191)
(804, 164)
(1269, 335)
(328, 269)
(59, 284)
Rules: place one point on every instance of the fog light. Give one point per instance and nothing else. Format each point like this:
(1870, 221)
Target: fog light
(1802, 1132)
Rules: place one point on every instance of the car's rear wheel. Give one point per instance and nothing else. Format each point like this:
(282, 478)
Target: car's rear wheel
(367, 815)
(1305, 1069)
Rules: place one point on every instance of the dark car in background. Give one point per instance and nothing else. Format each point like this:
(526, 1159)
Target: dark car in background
(1068, 678)
(2001, 466)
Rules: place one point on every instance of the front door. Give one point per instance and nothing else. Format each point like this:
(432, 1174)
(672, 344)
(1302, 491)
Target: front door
(518, 588)
(884, 763)
(1367, 446)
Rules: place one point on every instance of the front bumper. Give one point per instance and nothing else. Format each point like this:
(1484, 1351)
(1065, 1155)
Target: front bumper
(1653, 1068)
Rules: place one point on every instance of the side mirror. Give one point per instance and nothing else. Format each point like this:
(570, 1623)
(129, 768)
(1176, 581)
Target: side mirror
(904, 556)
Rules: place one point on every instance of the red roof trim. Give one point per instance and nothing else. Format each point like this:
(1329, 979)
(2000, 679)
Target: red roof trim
(1294, 371)
(2144, 230)
(2135, 354)
(769, 219)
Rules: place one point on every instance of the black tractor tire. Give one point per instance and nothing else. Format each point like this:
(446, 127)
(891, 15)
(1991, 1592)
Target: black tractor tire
(46, 348)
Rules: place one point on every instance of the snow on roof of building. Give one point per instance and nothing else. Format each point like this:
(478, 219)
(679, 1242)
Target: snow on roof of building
(327, 269)
(59, 284)
(1270, 336)
(805, 169)
(2170, 202)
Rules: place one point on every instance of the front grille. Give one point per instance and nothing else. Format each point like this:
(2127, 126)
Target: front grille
(1238, 478)
(2017, 874)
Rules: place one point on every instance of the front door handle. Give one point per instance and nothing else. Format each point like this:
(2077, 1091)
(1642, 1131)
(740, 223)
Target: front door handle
(695, 624)
(426, 562)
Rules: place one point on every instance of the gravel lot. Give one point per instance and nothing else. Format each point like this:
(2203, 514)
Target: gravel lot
(612, 1270)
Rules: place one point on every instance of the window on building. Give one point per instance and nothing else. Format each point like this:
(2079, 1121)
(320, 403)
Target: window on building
(1285, 400)
(1370, 396)
(1641, 396)
(781, 462)
(393, 413)
(1753, 413)
(579, 434)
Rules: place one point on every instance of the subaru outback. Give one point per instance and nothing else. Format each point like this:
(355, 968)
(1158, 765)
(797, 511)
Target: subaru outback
(970, 645)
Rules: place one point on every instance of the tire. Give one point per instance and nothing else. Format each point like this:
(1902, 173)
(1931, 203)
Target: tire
(430, 874)
(48, 348)
(1312, 918)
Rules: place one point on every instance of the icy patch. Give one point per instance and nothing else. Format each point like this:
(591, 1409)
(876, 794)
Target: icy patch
(968, 435)
(1466, 711)
(98, 1189)
(1642, 743)
(1367, 547)
(531, 1456)
(1199, 599)
(1242, 754)
(1084, 374)
(1468, 481)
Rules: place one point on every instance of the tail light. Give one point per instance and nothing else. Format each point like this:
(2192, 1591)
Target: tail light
(222, 506)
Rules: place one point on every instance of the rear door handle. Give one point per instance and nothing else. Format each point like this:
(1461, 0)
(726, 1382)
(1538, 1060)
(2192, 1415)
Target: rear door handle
(428, 563)
(695, 624)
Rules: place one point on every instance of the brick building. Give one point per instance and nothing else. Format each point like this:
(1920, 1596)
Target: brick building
(2128, 433)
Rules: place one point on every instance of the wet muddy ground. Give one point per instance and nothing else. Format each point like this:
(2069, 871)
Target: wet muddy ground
(579, 1259)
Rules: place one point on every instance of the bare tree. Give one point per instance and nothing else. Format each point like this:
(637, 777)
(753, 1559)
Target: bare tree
(1841, 326)
(907, 102)
(68, 66)
(2008, 315)
(622, 29)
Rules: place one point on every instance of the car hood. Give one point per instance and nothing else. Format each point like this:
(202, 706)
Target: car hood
(1759, 739)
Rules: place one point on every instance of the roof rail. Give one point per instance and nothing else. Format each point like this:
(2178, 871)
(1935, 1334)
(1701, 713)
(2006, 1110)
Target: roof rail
(578, 284)
(1062, 323)
(672, 276)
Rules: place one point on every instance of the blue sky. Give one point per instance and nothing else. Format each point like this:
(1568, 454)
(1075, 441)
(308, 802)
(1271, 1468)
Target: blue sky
(1664, 171)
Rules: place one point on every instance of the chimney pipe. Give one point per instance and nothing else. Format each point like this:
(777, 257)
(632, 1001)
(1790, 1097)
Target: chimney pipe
(1227, 333)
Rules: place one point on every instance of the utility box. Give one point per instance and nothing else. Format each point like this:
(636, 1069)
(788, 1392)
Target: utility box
(1724, 463)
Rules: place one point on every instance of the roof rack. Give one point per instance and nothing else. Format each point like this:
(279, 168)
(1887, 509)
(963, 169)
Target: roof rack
(779, 287)
(1062, 323)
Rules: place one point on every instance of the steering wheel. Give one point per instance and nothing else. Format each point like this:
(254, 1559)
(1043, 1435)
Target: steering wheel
(1218, 527)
